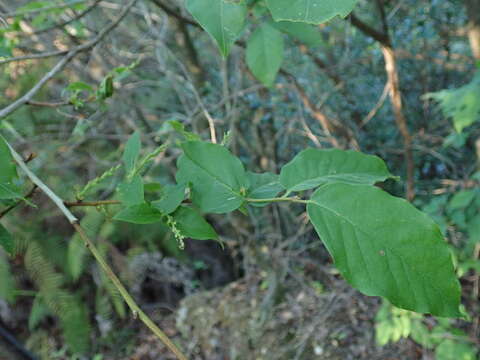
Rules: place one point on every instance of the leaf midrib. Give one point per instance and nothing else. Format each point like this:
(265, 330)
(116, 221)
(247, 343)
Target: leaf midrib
(213, 176)
(335, 177)
(388, 249)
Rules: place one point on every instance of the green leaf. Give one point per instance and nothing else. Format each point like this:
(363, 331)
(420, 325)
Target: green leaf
(456, 140)
(6, 47)
(172, 197)
(139, 214)
(38, 312)
(383, 246)
(192, 225)
(222, 19)
(132, 150)
(265, 53)
(8, 173)
(180, 129)
(461, 199)
(455, 350)
(106, 89)
(421, 335)
(218, 179)
(79, 86)
(131, 193)
(76, 257)
(7, 164)
(305, 33)
(473, 229)
(9, 191)
(263, 186)
(392, 324)
(152, 187)
(33, 5)
(313, 167)
(309, 11)
(460, 104)
(6, 240)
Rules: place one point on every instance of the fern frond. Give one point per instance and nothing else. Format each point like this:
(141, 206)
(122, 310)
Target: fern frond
(41, 270)
(71, 313)
(91, 222)
(41, 344)
(21, 245)
(38, 312)
(76, 327)
(112, 292)
(76, 257)
(103, 306)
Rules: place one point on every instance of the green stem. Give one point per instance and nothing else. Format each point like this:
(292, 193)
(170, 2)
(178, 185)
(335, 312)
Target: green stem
(280, 199)
(137, 312)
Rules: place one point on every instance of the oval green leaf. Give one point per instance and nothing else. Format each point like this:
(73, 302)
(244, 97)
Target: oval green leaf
(139, 214)
(313, 167)
(192, 225)
(461, 199)
(305, 33)
(8, 173)
(131, 193)
(383, 246)
(132, 150)
(265, 53)
(172, 197)
(223, 20)
(7, 165)
(309, 11)
(217, 178)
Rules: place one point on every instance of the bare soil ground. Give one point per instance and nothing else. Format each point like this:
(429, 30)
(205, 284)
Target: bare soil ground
(236, 323)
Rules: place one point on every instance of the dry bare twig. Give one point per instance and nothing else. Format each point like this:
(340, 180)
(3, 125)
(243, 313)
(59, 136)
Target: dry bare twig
(64, 61)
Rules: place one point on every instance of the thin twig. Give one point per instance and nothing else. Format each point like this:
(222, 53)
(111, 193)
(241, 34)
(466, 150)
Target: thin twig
(210, 120)
(324, 120)
(64, 61)
(175, 14)
(41, 185)
(67, 22)
(71, 204)
(377, 106)
(39, 10)
(38, 56)
(47, 104)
